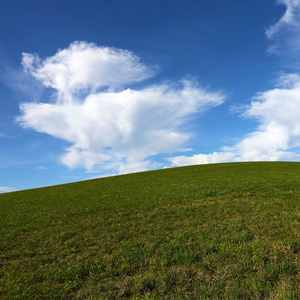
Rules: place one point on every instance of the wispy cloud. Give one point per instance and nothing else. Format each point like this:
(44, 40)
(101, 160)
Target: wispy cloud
(108, 125)
(284, 35)
(289, 20)
(41, 168)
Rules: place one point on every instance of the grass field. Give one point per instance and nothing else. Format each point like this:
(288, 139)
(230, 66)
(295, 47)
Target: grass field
(222, 231)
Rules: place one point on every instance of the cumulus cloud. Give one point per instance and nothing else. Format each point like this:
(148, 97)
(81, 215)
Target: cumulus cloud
(111, 127)
(278, 135)
(85, 66)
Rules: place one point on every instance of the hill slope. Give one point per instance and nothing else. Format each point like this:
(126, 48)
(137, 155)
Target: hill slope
(211, 231)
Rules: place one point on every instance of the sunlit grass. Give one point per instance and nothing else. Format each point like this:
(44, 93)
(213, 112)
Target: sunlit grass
(227, 231)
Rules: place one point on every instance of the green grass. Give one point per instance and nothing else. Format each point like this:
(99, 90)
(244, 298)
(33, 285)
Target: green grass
(223, 231)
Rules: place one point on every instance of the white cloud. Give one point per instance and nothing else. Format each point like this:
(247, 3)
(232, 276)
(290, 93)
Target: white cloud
(285, 33)
(114, 129)
(288, 80)
(278, 135)
(6, 189)
(85, 66)
(290, 17)
(199, 159)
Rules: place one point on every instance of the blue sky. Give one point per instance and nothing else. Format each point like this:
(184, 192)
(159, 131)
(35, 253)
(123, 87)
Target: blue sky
(96, 88)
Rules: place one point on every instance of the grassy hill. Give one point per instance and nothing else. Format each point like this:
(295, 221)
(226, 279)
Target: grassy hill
(227, 231)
